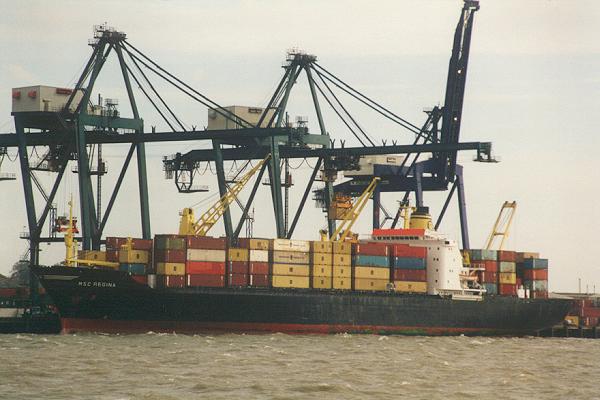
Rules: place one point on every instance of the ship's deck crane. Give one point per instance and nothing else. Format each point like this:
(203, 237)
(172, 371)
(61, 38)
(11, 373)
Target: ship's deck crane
(502, 225)
(188, 224)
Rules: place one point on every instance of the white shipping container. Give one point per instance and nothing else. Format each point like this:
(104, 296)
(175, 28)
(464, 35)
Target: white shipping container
(259, 256)
(291, 245)
(206, 255)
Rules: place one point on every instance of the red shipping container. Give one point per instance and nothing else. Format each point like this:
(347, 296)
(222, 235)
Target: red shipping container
(535, 274)
(519, 282)
(404, 250)
(112, 255)
(411, 275)
(490, 266)
(204, 268)
(260, 280)
(489, 277)
(206, 242)
(206, 280)
(142, 244)
(258, 268)
(507, 256)
(506, 289)
(592, 312)
(172, 256)
(237, 280)
(399, 232)
(170, 281)
(371, 249)
(539, 294)
(143, 279)
(115, 243)
(237, 267)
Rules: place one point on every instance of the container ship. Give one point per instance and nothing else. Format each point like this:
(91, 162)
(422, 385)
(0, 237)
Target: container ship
(412, 280)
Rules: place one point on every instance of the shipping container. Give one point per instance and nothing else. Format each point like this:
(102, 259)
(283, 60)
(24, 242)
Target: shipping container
(536, 286)
(535, 263)
(521, 256)
(142, 279)
(507, 256)
(260, 280)
(291, 245)
(535, 274)
(258, 255)
(205, 280)
(291, 269)
(319, 246)
(539, 295)
(410, 287)
(254, 243)
(507, 278)
(508, 267)
(237, 267)
(206, 255)
(411, 275)
(409, 263)
(371, 249)
(258, 268)
(342, 271)
(405, 250)
(94, 255)
(170, 268)
(341, 283)
(342, 248)
(490, 266)
(371, 273)
(115, 243)
(237, 254)
(133, 269)
(205, 242)
(173, 256)
(239, 280)
(370, 284)
(290, 257)
(321, 258)
(505, 289)
(325, 271)
(283, 281)
(112, 255)
(321, 282)
(134, 256)
(342, 259)
(491, 288)
(371, 261)
(488, 277)
(170, 281)
(483, 255)
(169, 242)
(204, 268)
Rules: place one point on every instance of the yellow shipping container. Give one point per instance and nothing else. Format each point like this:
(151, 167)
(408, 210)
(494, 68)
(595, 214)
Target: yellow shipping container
(342, 271)
(322, 270)
(94, 255)
(319, 246)
(320, 282)
(291, 245)
(134, 256)
(170, 268)
(258, 244)
(291, 257)
(284, 281)
(237, 254)
(342, 248)
(291, 269)
(321, 258)
(370, 284)
(372, 273)
(410, 287)
(342, 259)
(342, 283)
(507, 277)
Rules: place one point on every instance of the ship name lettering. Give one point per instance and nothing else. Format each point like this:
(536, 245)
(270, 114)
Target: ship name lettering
(97, 284)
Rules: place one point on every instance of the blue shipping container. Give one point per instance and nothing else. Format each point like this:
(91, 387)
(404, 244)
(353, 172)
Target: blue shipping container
(535, 263)
(371, 261)
(409, 263)
(491, 288)
(133, 269)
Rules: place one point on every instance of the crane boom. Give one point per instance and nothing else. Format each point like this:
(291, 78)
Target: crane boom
(504, 220)
(188, 225)
(343, 230)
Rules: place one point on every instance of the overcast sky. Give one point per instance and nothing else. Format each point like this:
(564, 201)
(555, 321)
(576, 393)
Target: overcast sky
(533, 90)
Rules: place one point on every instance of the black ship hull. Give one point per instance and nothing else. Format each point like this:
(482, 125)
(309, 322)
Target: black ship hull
(110, 301)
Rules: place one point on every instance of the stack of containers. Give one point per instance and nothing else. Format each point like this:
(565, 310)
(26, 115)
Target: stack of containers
(507, 275)
(94, 255)
(534, 273)
(371, 266)
(169, 260)
(409, 265)
(321, 264)
(113, 245)
(258, 261)
(237, 266)
(487, 259)
(342, 265)
(291, 263)
(206, 260)
(137, 260)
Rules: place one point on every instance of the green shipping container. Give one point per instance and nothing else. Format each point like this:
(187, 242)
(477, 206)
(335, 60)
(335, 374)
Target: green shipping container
(169, 243)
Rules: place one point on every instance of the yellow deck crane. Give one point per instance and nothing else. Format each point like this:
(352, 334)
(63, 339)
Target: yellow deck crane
(188, 224)
(504, 220)
(343, 231)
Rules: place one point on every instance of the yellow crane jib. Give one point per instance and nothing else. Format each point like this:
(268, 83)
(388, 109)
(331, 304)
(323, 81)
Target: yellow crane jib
(188, 224)
(504, 220)
(343, 230)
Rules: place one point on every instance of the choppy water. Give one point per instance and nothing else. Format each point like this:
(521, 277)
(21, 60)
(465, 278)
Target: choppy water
(161, 366)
